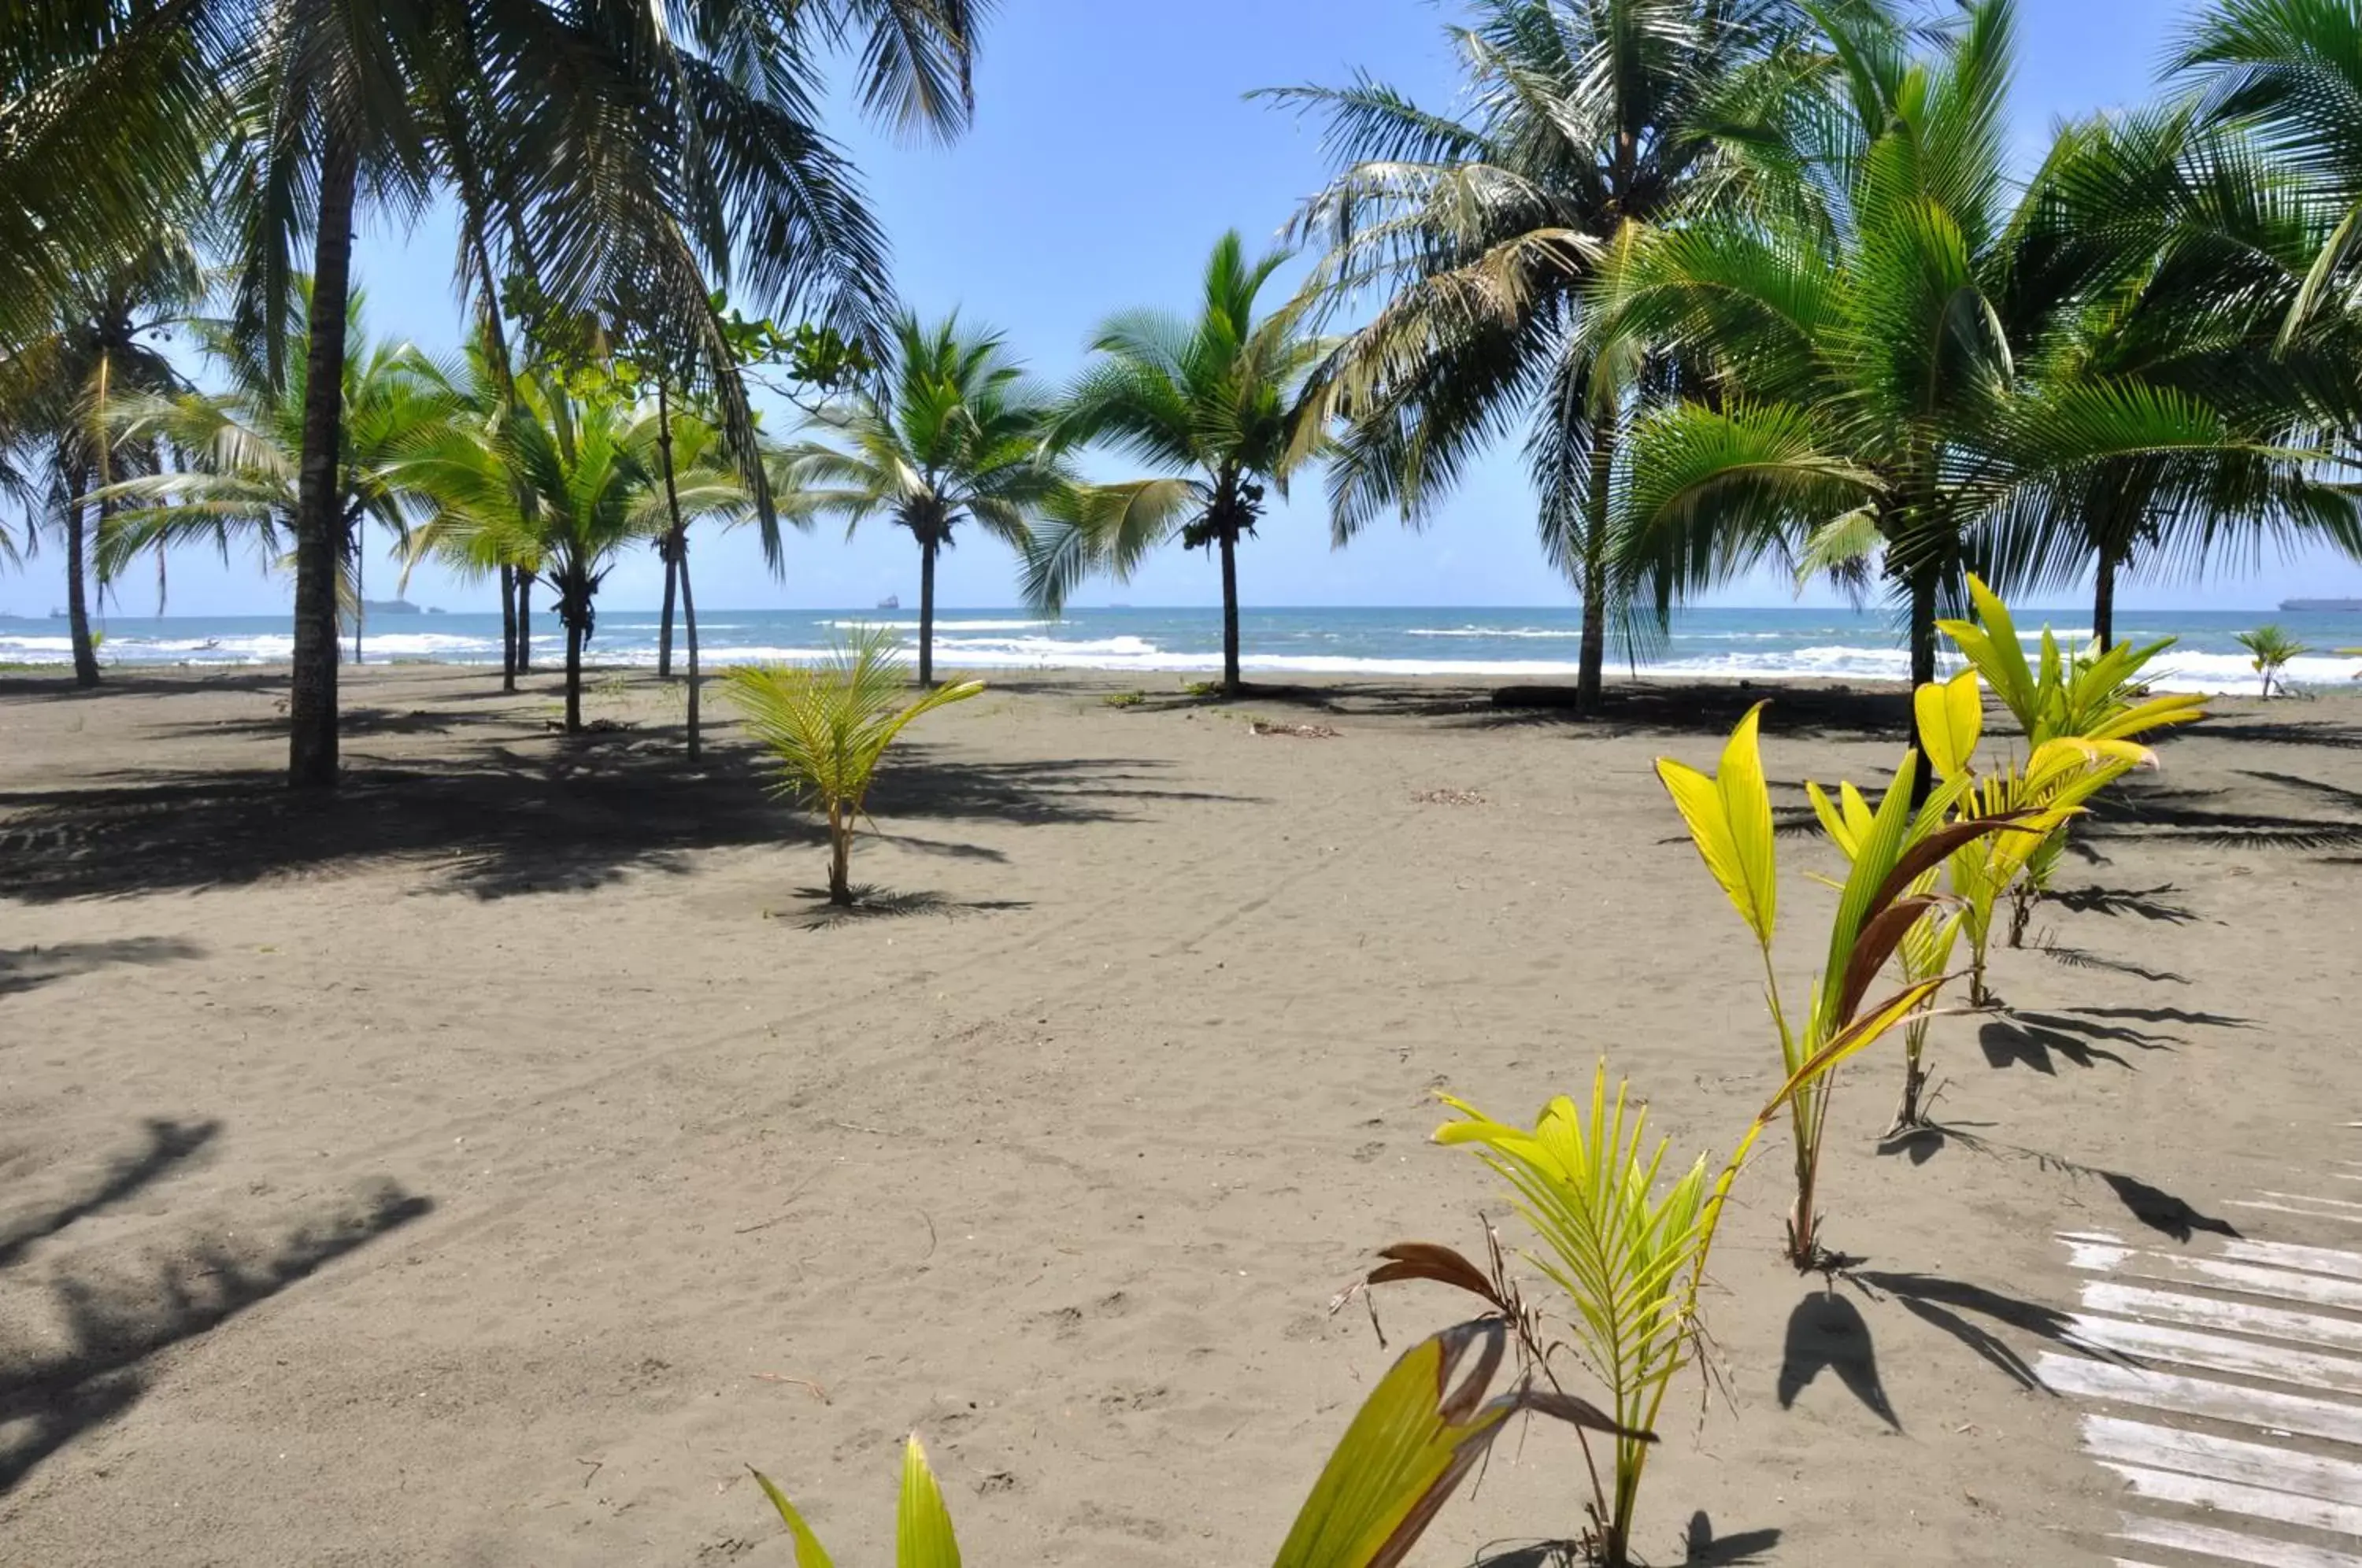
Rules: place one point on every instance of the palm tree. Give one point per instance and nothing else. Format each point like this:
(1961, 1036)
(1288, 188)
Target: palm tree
(1217, 402)
(563, 481)
(241, 457)
(61, 397)
(108, 114)
(2223, 237)
(1876, 332)
(950, 431)
(605, 152)
(1482, 231)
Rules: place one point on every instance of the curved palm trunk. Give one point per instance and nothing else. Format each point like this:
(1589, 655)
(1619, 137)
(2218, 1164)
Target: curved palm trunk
(1231, 683)
(2103, 601)
(927, 612)
(1592, 662)
(1922, 666)
(508, 629)
(360, 586)
(85, 654)
(312, 702)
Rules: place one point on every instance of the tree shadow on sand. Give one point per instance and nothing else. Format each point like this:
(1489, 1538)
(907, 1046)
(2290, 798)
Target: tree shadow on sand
(871, 902)
(1826, 1332)
(2042, 1040)
(29, 969)
(113, 1320)
(1655, 707)
(1955, 1306)
(2162, 1211)
(494, 822)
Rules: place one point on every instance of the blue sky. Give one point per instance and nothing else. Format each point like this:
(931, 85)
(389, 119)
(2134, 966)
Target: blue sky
(1113, 146)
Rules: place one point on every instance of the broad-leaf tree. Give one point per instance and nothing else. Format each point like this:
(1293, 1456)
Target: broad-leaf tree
(1215, 403)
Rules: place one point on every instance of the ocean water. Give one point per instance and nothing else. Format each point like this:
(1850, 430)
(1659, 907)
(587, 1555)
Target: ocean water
(1536, 644)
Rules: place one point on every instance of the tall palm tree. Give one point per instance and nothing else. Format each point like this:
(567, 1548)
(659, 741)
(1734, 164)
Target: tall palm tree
(1873, 334)
(949, 431)
(564, 481)
(63, 393)
(606, 150)
(2225, 239)
(1481, 231)
(1217, 402)
(240, 455)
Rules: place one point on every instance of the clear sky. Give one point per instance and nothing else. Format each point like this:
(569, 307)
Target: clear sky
(1113, 146)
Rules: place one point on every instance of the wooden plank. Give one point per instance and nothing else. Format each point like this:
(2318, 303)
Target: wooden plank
(2310, 1329)
(2296, 1414)
(2219, 1353)
(2220, 1496)
(2312, 1477)
(2213, 1274)
(2230, 1545)
(2311, 1260)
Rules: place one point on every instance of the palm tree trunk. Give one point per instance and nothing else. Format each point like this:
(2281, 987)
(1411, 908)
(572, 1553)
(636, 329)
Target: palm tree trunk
(670, 547)
(2103, 601)
(573, 674)
(1232, 685)
(360, 585)
(689, 625)
(927, 613)
(1592, 660)
(86, 655)
(840, 854)
(675, 551)
(1922, 668)
(312, 702)
(524, 621)
(508, 629)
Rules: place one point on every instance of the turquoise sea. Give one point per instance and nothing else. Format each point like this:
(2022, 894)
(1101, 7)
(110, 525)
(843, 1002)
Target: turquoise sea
(1483, 643)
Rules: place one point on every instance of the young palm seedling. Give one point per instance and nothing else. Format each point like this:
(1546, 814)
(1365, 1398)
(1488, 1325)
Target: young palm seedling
(827, 728)
(1422, 1429)
(2272, 649)
(1729, 819)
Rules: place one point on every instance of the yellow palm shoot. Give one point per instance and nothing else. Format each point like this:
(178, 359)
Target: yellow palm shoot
(828, 726)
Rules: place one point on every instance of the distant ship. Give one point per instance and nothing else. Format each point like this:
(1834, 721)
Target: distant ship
(2334, 606)
(389, 607)
(891, 601)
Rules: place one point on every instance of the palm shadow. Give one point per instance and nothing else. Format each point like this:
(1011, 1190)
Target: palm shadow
(2161, 1211)
(1954, 1305)
(871, 902)
(495, 820)
(169, 1145)
(2149, 904)
(2084, 958)
(116, 1323)
(28, 968)
(1703, 1549)
(1827, 1332)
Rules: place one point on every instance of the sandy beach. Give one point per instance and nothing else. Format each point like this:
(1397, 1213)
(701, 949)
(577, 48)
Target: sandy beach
(488, 1165)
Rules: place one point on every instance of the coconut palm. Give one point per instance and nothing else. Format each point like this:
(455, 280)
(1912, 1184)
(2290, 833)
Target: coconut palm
(828, 727)
(1216, 402)
(557, 481)
(2224, 238)
(108, 113)
(1481, 231)
(61, 397)
(607, 151)
(241, 455)
(949, 432)
(1875, 336)
(2272, 649)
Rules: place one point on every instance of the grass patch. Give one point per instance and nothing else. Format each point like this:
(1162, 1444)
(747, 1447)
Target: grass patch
(1123, 698)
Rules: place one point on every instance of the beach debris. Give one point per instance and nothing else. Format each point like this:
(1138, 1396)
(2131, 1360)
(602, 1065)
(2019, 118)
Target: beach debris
(806, 1384)
(1298, 732)
(1448, 797)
